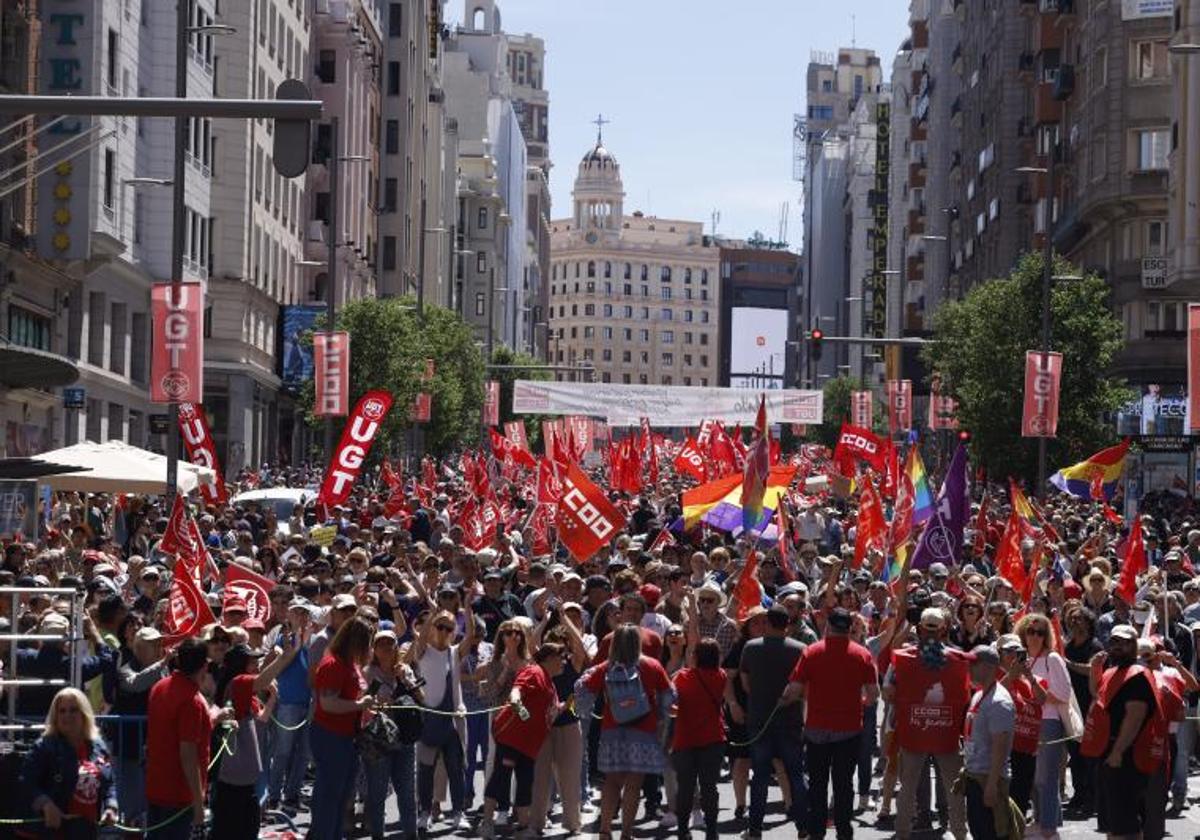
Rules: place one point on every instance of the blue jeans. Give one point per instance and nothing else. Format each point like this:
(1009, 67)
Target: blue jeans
(866, 748)
(289, 752)
(1047, 805)
(336, 762)
(178, 827)
(131, 789)
(478, 729)
(399, 769)
(778, 742)
(1185, 742)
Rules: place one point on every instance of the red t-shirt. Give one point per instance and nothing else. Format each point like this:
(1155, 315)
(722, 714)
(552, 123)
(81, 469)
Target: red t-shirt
(241, 694)
(346, 680)
(835, 669)
(654, 679)
(177, 713)
(698, 707)
(85, 800)
(539, 697)
(651, 645)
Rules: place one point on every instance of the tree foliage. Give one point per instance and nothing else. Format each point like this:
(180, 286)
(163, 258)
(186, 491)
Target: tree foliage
(836, 410)
(979, 349)
(388, 349)
(506, 378)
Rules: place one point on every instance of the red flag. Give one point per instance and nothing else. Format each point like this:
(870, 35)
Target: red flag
(177, 356)
(585, 518)
(540, 525)
(891, 475)
(776, 451)
(664, 538)
(197, 439)
(187, 611)
(253, 588)
(503, 447)
(872, 527)
(857, 442)
(739, 448)
(690, 461)
(1133, 564)
(178, 536)
(357, 437)
(514, 430)
(653, 464)
(748, 592)
(387, 476)
(981, 526)
(549, 488)
(721, 451)
(428, 473)
(1008, 555)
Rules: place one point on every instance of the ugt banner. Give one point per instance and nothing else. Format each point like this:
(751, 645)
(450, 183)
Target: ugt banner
(899, 404)
(1043, 378)
(1193, 368)
(585, 517)
(491, 403)
(331, 360)
(357, 437)
(177, 362)
(860, 408)
(197, 438)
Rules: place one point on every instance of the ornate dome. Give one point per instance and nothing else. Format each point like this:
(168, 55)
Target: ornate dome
(599, 156)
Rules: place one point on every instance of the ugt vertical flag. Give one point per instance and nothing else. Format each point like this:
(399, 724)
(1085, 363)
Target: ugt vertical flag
(177, 360)
(1043, 377)
(941, 542)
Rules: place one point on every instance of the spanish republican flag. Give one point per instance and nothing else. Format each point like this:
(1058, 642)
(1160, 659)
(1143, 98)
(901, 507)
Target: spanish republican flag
(1107, 465)
(719, 503)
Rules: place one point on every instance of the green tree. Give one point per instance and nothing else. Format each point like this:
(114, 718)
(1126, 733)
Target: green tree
(979, 350)
(388, 349)
(836, 410)
(506, 378)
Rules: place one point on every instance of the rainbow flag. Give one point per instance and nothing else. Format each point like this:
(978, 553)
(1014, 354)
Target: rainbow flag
(719, 503)
(1108, 465)
(923, 503)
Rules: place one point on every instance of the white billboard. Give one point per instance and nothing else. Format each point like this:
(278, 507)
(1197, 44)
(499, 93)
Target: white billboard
(1141, 9)
(757, 347)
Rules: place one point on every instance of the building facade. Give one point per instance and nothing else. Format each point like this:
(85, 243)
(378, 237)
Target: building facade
(760, 324)
(635, 298)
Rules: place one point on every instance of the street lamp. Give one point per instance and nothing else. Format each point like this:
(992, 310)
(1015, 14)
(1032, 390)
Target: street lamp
(1184, 49)
(139, 181)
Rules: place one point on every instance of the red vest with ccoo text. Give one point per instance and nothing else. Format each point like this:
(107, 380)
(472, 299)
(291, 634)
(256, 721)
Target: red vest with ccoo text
(931, 706)
(1029, 717)
(1150, 746)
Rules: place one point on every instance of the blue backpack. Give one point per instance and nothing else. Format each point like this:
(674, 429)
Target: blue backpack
(626, 699)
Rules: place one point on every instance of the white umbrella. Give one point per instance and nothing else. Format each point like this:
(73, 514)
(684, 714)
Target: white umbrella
(115, 467)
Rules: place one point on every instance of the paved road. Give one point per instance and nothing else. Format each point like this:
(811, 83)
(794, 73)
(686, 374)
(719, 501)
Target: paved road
(1186, 825)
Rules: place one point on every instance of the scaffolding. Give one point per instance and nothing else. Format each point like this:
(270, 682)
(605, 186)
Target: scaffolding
(12, 681)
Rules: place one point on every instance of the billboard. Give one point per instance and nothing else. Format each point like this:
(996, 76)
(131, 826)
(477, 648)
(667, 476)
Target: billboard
(1160, 410)
(1141, 9)
(296, 359)
(757, 347)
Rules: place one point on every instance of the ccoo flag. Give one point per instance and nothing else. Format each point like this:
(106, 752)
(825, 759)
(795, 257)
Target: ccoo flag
(941, 541)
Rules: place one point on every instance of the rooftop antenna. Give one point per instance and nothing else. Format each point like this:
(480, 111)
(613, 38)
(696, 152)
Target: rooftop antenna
(600, 122)
(853, 31)
(716, 218)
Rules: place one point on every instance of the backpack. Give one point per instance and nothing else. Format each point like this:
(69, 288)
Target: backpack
(624, 694)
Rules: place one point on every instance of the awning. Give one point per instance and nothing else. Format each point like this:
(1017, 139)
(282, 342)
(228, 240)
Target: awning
(115, 467)
(19, 468)
(26, 367)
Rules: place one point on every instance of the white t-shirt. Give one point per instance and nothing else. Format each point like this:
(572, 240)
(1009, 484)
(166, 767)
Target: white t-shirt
(1053, 669)
(433, 667)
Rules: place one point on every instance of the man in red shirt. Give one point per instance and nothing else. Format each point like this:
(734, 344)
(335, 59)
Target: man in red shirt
(837, 677)
(178, 728)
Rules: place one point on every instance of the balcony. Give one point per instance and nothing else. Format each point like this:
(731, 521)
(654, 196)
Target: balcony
(916, 175)
(1064, 82)
(919, 131)
(1047, 34)
(1046, 109)
(916, 222)
(914, 269)
(956, 108)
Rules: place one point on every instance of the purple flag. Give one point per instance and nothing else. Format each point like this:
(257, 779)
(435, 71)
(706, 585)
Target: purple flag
(942, 539)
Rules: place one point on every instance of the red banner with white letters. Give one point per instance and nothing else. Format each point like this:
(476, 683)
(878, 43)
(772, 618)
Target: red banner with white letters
(1043, 378)
(253, 588)
(1193, 368)
(331, 368)
(861, 405)
(690, 460)
(491, 403)
(859, 442)
(422, 410)
(514, 430)
(899, 405)
(585, 518)
(197, 439)
(177, 362)
(352, 449)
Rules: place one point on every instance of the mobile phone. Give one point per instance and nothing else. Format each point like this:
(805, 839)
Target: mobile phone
(372, 587)
(374, 687)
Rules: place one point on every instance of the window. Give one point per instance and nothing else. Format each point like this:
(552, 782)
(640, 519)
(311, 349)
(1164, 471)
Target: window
(704, 363)
(574, 310)
(627, 289)
(627, 311)
(687, 275)
(645, 291)
(589, 332)
(481, 262)
(644, 313)
(113, 49)
(644, 357)
(687, 338)
(668, 358)
(606, 355)
(591, 268)
(667, 336)
(606, 333)
(643, 379)
(666, 292)
(607, 269)
(395, 20)
(626, 356)
(1099, 68)
(645, 273)
(1150, 60)
(703, 280)
(665, 274)
(391, 137)
(628, 271)
(607, 310)
(390, 187)
(393, 78)
(589, 309)
(703, 294)
(28, 329)
(1156, 238)
(327, 66)
(627, 334)
(703, 317)
(687, 359)
(687, 315)
(704, 339)
(389, 253)
(110, 165)
(1152, 146)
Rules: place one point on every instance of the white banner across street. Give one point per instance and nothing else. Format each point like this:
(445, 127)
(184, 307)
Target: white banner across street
(665, 405)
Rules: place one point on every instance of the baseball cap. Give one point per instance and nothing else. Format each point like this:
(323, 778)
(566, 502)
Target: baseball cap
(253, 624)
(234, 603)
(1009, 643)
(1124, 631)
(147, 634)
(344, 601)
(53, 623)
(596, 582)
(938, 570)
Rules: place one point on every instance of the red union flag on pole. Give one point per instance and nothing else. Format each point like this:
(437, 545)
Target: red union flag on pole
(491, 403)
(1193, 368)
(899, 404)
(585, 518)
(253, 588)
(514, 430)
(1043, 378)
(860, 408)
(690, 460)
(177, 363)
(197, 438)
(422, 410)
(331, 369)
(187, 611)
(352, 449)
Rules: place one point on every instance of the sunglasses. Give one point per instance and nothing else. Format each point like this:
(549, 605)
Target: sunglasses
(671, 633)
(1035, 631)
(707, 601)
(510, 633)
(444, 628)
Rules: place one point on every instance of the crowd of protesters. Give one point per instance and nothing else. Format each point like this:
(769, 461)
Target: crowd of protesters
(497, 690)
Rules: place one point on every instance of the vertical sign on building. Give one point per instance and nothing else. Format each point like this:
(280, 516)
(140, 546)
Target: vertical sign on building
(860, 409)
(1193, 369)
(491, 403)
(331, 361)
(875, 283)
(177, 362)
(899, 404)
(422, 411)
(1043, 375)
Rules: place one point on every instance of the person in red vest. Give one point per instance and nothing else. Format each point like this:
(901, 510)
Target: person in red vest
(929, 684)
(1171, 684)
(1119, 731)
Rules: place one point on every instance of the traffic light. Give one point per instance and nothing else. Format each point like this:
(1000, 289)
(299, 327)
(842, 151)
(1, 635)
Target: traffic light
(964, 436)
(814, 344)
(293, 140)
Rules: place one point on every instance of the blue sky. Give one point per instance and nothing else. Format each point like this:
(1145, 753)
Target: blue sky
(700, 94)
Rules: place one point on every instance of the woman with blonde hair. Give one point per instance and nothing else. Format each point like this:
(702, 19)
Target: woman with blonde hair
(1048, 668)
(67, 777)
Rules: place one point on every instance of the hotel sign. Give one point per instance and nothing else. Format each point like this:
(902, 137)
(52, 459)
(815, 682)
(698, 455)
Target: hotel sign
(875, 283)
